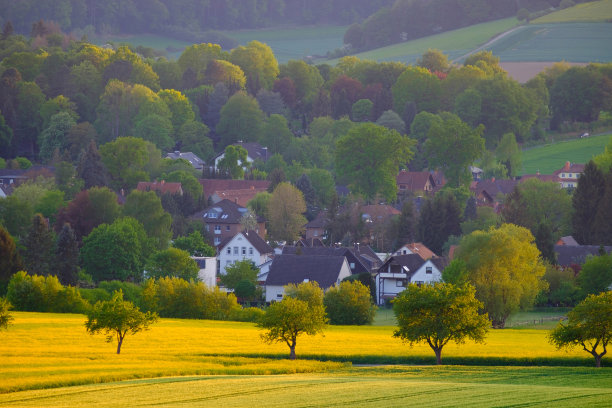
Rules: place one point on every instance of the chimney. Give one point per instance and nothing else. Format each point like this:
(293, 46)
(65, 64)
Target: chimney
(493, 179)
(567, 166)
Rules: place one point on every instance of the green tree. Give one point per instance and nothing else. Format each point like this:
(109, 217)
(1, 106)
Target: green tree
(196, 58)
(596, 274)
(172, 262)
(258, 63)
(369, 156)
(545, 242)
(180, 107)
(127, 159)
(585, 201)
(10, 261)
(589, 326)
(440, 218)
(285, 210)
(509, 154)
(30, 99)
(155, 129)
(66, 262)
(220, 71)
(193, 137)
(434, 61)
(194, 244)
(602, 228)
(306, 80)
(392, 120)
(54, 136)
(259, 203)
(16, 215)
(117, 318)
(276, 135)
(233, 160)
(361, 111)
(578, 95)
(240, 119)
(146, 207)
(418, 85)
(439, 313)
(91, 168)
(239, 271)
(5, 317)
(453, 146)
(349, 304)
(39, 244)
(505, 267)
(323, 185)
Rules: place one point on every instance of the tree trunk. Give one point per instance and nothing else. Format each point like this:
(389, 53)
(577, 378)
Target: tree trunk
(438, 356)
(597, 360)
(119, 345)
(292, 353)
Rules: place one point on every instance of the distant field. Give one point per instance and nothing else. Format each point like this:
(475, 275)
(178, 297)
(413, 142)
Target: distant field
(552, 157)
(453, 43)
(393, 386)
(170, 46)
(596, 11)
(575, 42)
(53, 350)
(294, 43)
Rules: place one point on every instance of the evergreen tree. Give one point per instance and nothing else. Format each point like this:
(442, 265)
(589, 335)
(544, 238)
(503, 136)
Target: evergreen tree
(66, 256)
(602, 225)
(515, 208)
(545, 242)
(10, 261)
(304, 185)
(91, 169)
(407, 223)
(470, 209)
(440, 218)
(586, 199)
(39, 243)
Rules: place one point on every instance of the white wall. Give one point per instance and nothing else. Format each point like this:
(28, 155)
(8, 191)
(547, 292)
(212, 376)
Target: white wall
(207, 274)
(245, 251)
(421, 274)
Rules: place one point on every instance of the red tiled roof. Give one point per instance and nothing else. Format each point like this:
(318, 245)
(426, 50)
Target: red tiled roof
(414, 180)
(570, 168)
(240, 197)
(420, 249)
(210, 186)
(162, 186)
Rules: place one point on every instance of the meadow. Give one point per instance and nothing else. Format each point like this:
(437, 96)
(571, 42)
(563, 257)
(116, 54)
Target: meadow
(596, 11)
(551, 157)
(53, 350)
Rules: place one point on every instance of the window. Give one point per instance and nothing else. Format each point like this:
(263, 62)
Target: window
(212, 214)
(227, 263)
(316, 233)
(243, 249)
(207, 227)
(217, 229)
(279, 295)
(227, 227)
(428, 270)
(563, 175)
(352, 265)
(250, 251)
(217, 240)
(235, 250)
(400, 283)
(229, 250)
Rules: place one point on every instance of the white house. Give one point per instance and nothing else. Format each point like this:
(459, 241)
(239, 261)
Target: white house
(400, 270)
(415, 248)
(254, 152)
(285, 269)
(208, 269)
(246, 245)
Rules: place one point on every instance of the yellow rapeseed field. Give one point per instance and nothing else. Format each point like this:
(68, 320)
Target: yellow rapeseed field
(49, 350)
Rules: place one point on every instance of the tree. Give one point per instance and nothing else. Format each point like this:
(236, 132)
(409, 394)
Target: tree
(392, 120)
(406, 223)
(369, 156)
(578, 95)
(156, 129)
(505, 267)
(234, 158)
(589, 325)
(196, 57)
(66, 265)
(349, 303)
(300, 312)
(239, 271)
(91, 169)
(172, 262)
(258, 63)
(545, 242)
(509, 154)
(285, 210)
(434, 61)
(194, 244)
(602, 228)
(117, 318)
(6, 137)
(418, 85)
(585, 201)
(276, 135)
(39, 243)
(361, 111)
(596, 274)
(145, 206)
(440, 218)
(193, 137)
(452, 146)
(240, 119)
(127, 159)
(220, 71)
(439, 313)
(10, 261)
(5, 316)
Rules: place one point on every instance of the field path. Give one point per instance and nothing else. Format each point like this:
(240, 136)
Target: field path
(488, 43)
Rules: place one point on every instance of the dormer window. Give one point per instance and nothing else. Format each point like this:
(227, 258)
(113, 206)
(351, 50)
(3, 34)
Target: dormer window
(212, 214)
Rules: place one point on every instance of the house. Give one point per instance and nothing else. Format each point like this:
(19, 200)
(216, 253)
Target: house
(162, 187)
(191, 157)
(238, 191)
(316, 228)
(568, 255)
(361, 258)
(285, 269)
(16, 177)
(416, 248)
(568, 240)
(222, 221)
(568, 175)
(400, 270)
(246, 245)
(419, 183)
(491, 192)
(208, 269)
(312, 242)
(255, 151)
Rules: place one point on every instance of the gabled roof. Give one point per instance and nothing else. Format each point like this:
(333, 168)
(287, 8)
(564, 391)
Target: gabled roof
(414, 180)
(570, 168)
(212, 186)
(542, 177)
(254, 150)
(296, 269)
(364, 255)
(493, 187)
(162, 186)
(191, 157)
(419, 249)
(223, 212)
(240, 197)
(254, 239)
(568, 240)
(319, 222)
(411, 261)
(568, 254)
(378, 212)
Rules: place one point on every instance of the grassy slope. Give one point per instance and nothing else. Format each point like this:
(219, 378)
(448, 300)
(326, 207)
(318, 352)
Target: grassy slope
(596, 11)
(356, 387)
(549, 158)
(51, 350)
(454, 43)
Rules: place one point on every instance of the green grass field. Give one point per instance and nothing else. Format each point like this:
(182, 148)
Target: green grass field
(551, 157)
(596, 11)
(393, 386)
(453, 43)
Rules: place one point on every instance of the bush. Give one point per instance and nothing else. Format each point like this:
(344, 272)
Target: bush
(248, 314)
(131, 291)
(94, 295)
(34, 293)
(349, 303)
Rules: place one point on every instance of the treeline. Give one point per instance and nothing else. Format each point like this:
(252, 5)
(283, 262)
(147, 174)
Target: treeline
(162, 16)
(409, 19)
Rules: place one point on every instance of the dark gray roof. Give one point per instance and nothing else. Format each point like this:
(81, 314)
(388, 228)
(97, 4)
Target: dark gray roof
(411, 261)
(296, 269)
(577, 254)
(253, 237)
(191, 157)
(223, 212)
(365, 259)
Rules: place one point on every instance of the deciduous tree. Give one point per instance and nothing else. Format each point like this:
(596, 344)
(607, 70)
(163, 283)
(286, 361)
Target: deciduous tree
(66, 263)
(240, 119)
(285, 210)
(5, 317)
(349, 303)
(172, 262)
(39, 244)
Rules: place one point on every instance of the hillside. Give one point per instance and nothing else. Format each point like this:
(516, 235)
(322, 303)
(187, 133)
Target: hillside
(596, 11)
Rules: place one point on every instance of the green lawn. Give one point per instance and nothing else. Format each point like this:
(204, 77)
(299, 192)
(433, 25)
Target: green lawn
(453, 43)
(596, 11)
(551, 157)
(392, 386)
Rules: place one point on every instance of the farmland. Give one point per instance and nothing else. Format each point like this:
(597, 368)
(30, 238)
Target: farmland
(596, 11)
(551, 157)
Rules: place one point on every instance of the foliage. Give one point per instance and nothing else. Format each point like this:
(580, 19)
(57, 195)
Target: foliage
(509, 154)
(437, 314)
(238, 272)
(276, 135)
(596, 274)
(589, 325)
(6, 318)
(117, 318)
(194, 244)
(36, 293)
(349, 303)
(241, 119)
(419, 86)
(66, 262)
(505, 267)
(369, 156)
(172, 262)
(126, 160)
(10, 261)
(440, 218)
(39, 245)
(145, 206)
(284, 213)
(233, 161)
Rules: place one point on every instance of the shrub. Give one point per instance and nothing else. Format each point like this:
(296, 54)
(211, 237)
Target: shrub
(349, 303)
(131, 291)
(247, 314)
(34, 293)
(94, 295)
